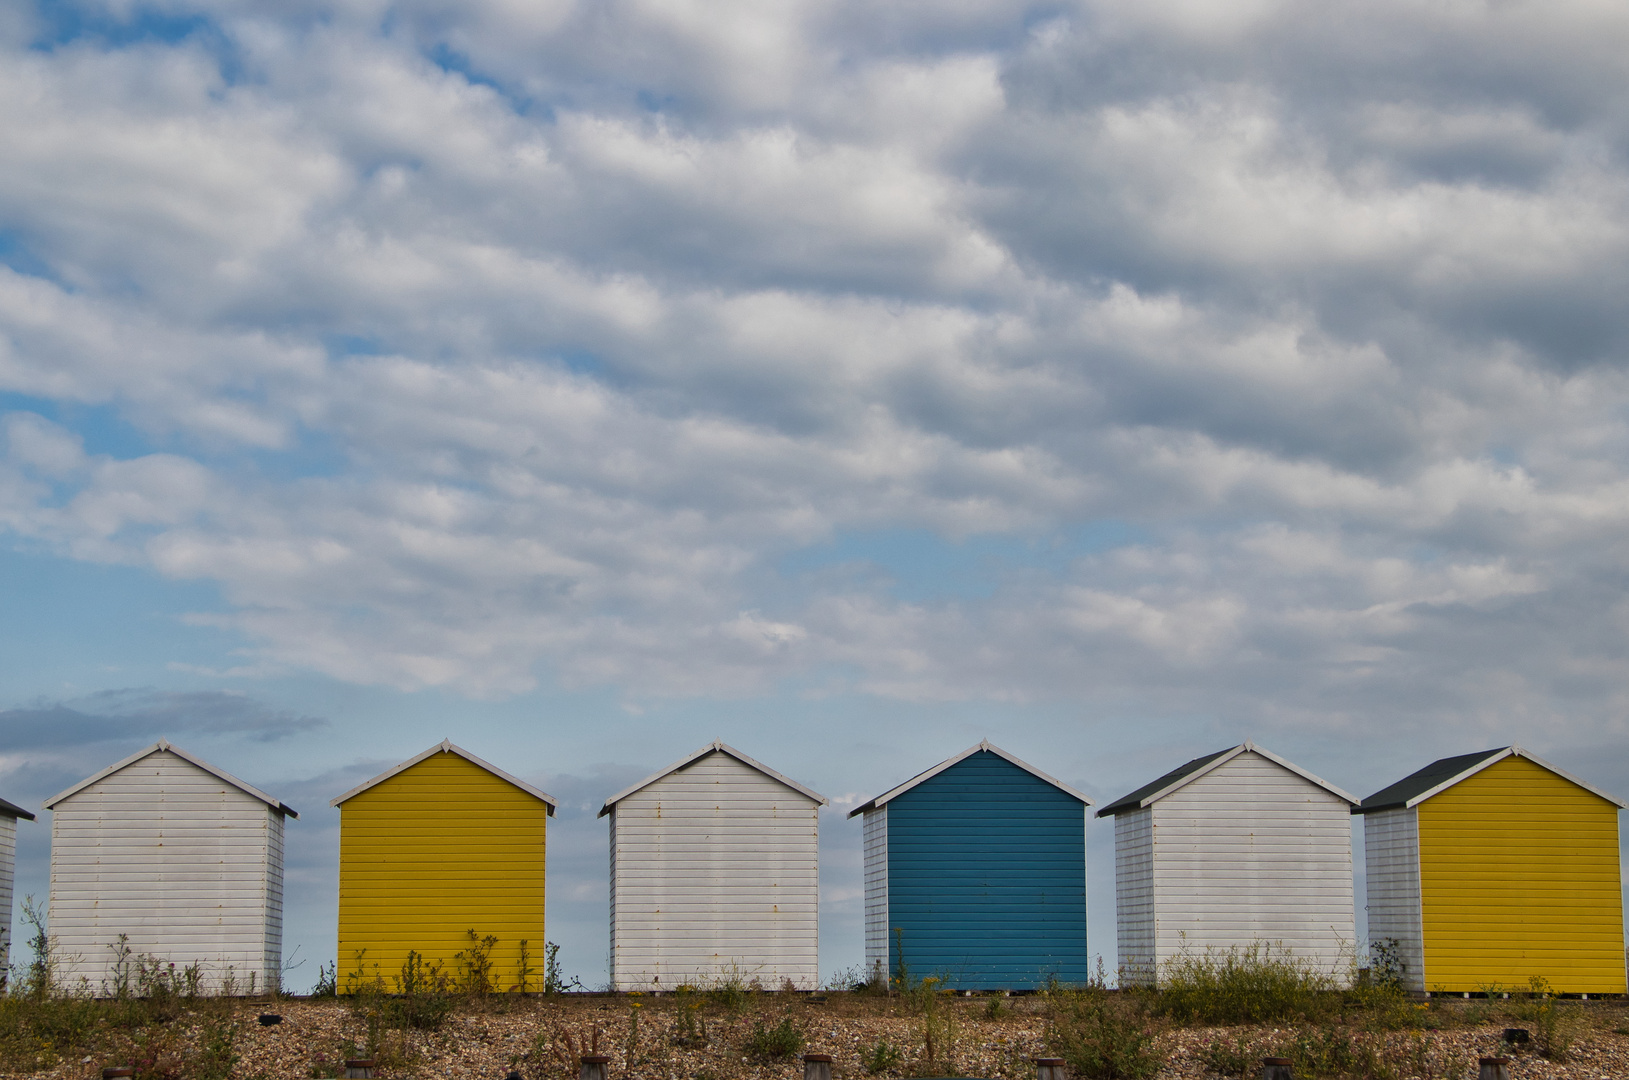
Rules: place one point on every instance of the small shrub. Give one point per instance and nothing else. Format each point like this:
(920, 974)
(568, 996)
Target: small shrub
(1102, 1036)
(881, 1058)
(1327, 1052)
(1250, 985)
(996, 1009)
(774, 1043)
(1234, 1058)
(730, 991)
(1555, 1022)
(217, 1050)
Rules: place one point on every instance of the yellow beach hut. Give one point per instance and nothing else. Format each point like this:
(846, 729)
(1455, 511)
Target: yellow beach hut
(1490, 869)
(439, 846)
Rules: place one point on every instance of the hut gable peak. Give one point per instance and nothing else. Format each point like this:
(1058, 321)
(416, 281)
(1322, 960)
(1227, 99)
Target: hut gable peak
(1186, 774)
(446, 746)
(717, 746)
(1444, 773)
(984, 746)
(164, 746)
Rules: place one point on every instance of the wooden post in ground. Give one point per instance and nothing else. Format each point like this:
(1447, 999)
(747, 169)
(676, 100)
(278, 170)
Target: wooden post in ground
(359, 1067)
(595, 1067)
(816, 1067)
(1494, 1068)
(1276, 1069)
(1049, 1069)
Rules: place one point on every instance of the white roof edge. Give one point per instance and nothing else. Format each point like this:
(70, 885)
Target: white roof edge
(165, 746)
(983, 744)
(446, 746)
(716, 746)
(1513, 751)
(1248, 747)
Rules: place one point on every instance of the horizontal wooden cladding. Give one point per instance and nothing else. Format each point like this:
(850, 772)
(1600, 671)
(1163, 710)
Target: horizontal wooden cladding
(1519, 876)
(433, 852)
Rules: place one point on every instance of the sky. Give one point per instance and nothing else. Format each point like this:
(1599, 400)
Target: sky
(1117, 380)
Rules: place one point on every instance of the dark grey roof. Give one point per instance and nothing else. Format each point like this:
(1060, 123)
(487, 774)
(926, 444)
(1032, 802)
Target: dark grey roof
(8, 809)
(1433, 775)
(1132, 801)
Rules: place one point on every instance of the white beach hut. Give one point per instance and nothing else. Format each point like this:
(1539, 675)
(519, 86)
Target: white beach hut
(9, 813)
(184, 860)
(1236, 849)
(715, 871)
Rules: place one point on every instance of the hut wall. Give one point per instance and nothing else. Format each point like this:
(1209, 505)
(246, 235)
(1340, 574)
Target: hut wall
(178, 860)
(1391, 860)
(431, 853)
(716, 872)
(1519, 877)
(1253, 853)
(8, 868)
(875, 827)
(987, 878)
(1134, 895)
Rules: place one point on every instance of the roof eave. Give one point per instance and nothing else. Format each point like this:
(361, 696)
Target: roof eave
(165, 746)
(716, 746)
(983, 744)
(446, 746)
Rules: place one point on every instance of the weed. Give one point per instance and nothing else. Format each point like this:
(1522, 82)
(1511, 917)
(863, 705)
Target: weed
(730, 991)
(773, 1043)
(327, 981)
(1555, 1023)
(881, 1058)
(423, 998)
(1249, 985)
(1386, 965)
(217, 1050)
(1102, 1036)
(996, 1009)
(689, 1026)
(554, 978)
(1234, 1058)
(475, 965)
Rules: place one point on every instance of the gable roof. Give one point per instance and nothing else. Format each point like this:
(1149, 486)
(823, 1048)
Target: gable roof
(1179, 777)
(985, 747)
(164, 746)
(445, 746)
(714, 747)
(1444, 773)
(11, 809)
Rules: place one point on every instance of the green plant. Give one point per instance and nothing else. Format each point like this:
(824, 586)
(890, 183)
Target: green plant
(689, 1026)
(217, 1050)
(1235, 1058)
(1251, 985)
(554, 978)
(1386, 964)
(883, 1057)
(423, 998)
(774, 1043)
(475, 965)
(730, 991)
(1102, 1036)
(1328, 1052)
(327, 981)
(1555, 1023)
(996, 1009)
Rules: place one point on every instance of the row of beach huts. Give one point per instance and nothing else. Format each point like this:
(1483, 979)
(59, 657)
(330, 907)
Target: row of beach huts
(1483, 870)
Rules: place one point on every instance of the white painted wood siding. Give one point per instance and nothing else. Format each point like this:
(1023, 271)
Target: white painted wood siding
(875, 824)
(714, 869)
(8, 869)
(1251, 852)
(1134, 895)
(185, 864)
(1391, 860)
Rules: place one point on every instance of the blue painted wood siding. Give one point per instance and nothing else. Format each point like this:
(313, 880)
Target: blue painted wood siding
(987, 878)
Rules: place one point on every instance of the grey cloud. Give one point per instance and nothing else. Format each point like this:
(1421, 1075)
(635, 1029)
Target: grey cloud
(142, 713)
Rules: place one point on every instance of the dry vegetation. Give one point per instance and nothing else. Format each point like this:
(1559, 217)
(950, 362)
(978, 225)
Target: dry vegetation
(746, 1035)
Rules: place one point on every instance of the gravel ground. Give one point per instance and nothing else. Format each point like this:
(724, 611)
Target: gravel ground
(543, 1038)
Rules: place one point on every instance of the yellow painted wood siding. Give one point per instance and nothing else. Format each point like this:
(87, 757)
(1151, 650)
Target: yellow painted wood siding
(1519, 876)
(432, 853)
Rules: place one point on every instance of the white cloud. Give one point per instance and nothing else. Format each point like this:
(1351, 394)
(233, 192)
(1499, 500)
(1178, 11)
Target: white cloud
(538, 361)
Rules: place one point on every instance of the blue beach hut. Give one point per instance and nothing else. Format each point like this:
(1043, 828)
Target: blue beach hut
(975, 871)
